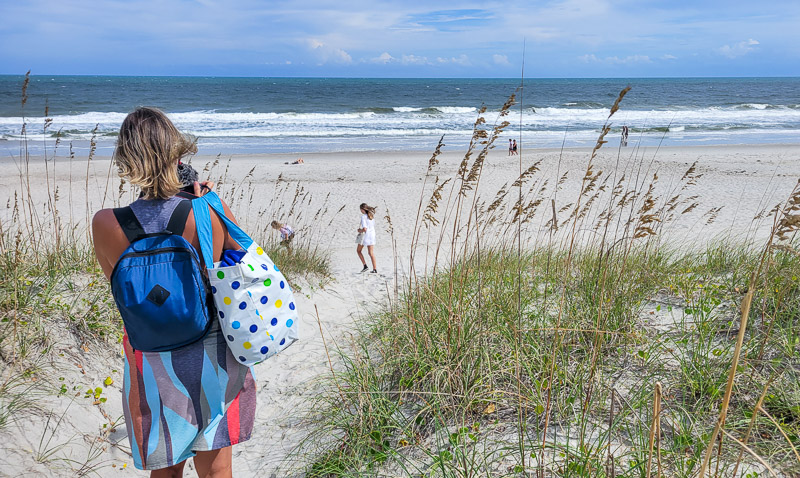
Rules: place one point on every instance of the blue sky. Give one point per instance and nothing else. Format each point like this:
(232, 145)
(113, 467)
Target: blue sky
(434, 38)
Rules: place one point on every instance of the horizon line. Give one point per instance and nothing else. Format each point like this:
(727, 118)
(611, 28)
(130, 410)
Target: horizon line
(398, 77)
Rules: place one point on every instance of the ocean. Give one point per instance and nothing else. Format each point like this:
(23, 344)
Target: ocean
(295, 115)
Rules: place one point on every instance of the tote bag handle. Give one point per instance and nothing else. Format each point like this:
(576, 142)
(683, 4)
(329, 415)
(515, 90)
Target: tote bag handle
(205, 235)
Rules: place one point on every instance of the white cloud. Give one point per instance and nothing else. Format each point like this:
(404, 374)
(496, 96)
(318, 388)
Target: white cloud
(383, 58)
(500, 59)
(738, 49)
(342, 56)
(615, 60)
(414, 60)
(460, 60)
(328, 54)
(635, 59)
(669, 57)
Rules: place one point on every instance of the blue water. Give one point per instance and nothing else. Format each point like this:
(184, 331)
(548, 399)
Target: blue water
(232, 115)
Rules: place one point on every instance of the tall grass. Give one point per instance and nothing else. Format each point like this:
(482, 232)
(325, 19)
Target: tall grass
(256, 206)
(571, 336)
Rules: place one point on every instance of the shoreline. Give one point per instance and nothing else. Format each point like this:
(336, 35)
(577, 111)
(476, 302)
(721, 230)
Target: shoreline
(533, 150)
(362, 145)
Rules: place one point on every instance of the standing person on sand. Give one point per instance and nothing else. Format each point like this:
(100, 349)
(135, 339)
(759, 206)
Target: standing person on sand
(510, 147)
(196, 400)
(367, 232)
(514, 147)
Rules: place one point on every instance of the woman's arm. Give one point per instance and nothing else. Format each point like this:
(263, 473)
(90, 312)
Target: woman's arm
(109, 240)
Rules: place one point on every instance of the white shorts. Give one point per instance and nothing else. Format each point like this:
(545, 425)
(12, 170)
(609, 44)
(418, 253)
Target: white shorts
(369, 239)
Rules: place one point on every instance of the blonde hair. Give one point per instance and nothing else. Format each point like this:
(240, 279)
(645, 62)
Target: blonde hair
(148, 150)
(370, 210)
(276, 225)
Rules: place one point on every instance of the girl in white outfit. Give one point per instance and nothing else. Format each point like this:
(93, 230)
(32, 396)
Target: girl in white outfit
(367, 228)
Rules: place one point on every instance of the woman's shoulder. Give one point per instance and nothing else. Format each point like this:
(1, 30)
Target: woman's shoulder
(106, 231)
(104, 219)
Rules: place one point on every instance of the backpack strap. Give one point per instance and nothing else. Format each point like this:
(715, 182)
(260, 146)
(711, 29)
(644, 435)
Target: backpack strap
(133, 228)
(127, 221)
(177, 222)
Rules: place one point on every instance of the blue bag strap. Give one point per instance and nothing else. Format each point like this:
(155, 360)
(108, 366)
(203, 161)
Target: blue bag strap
(202, 219)
(236, 232)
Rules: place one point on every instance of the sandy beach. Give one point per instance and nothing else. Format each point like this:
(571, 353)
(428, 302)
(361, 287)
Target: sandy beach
(741, 179)
(734, 184)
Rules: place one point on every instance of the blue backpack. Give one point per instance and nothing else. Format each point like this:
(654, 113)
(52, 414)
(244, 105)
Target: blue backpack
(159, 286)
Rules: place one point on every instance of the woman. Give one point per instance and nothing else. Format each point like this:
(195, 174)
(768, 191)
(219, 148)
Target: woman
(367, 228)
(196, 400)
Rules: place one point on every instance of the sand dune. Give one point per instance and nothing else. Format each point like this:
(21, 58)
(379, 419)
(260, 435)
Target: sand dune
(742, 180)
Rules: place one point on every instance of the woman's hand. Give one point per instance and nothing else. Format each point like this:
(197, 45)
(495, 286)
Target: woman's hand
(201, 189)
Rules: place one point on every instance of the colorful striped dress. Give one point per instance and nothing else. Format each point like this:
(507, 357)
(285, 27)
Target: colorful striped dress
(195, 398)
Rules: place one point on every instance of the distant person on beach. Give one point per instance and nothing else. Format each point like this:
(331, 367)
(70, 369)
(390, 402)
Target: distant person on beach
(366, 233)
(514, 147)
(624, 136)
(297, 161)
(510, 147)
(287, 233)
(189, 399)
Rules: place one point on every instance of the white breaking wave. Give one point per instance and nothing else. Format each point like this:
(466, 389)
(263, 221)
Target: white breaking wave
(756, 106)
(82, 119)
(407, 120)
(455, 109)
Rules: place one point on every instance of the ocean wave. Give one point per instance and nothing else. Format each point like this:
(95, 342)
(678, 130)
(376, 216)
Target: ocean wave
(417, 120)
(698, 117)
(585, 104)
(761, 106)
(266, 133)
(755, 106)
(456, 109)
(753, 111)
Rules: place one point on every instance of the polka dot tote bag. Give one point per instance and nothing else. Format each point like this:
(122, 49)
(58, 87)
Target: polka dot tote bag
(255, 304)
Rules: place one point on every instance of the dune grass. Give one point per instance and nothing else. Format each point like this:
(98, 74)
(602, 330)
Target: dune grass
(577, 341)
(458, 361)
